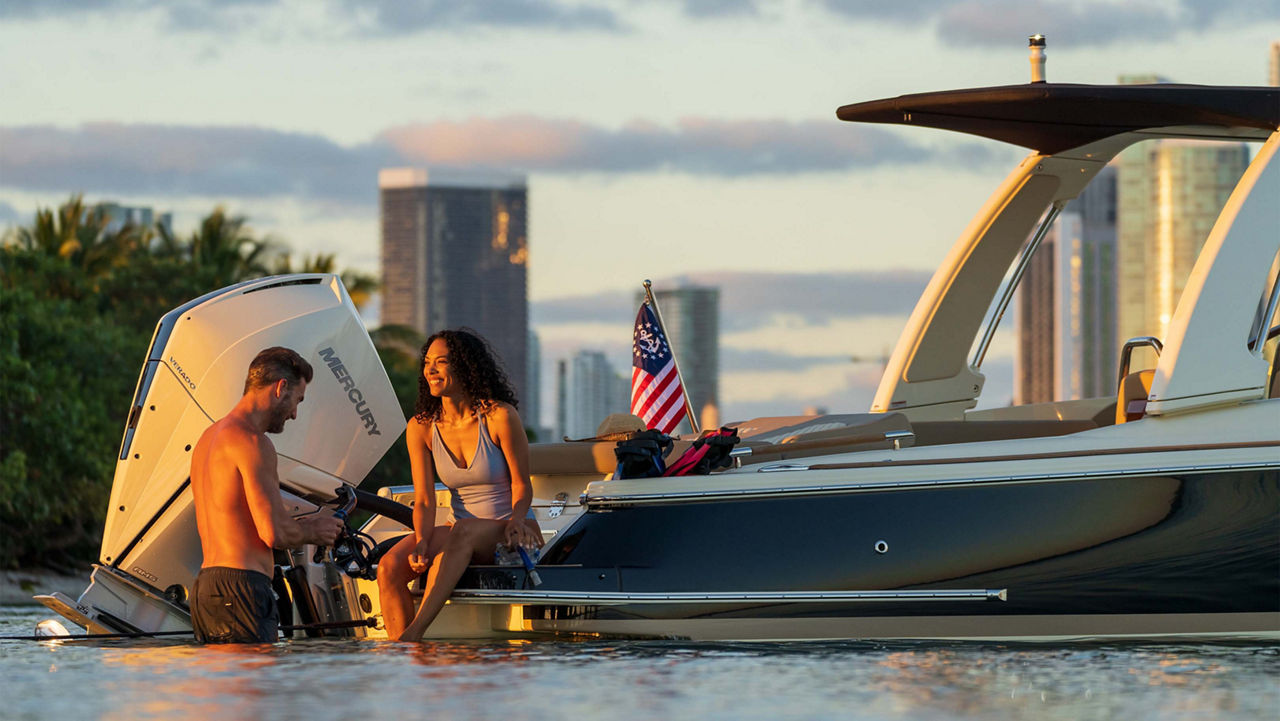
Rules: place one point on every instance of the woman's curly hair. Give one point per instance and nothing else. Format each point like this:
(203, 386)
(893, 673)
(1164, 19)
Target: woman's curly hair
(475, 366)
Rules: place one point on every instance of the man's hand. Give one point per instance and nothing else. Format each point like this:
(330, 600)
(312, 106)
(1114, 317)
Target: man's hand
(322, 529)
(518, 533)
(420, 557)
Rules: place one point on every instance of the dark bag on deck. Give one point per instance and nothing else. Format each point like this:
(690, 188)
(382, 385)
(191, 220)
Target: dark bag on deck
(643, 455)
(707, 454)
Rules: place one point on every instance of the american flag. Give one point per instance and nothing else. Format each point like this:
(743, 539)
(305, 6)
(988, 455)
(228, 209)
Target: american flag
(657, 396)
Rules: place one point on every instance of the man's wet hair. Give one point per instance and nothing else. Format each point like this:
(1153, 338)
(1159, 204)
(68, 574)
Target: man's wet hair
(275, 364)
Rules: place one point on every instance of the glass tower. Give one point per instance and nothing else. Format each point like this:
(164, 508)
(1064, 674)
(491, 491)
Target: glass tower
(455, 253)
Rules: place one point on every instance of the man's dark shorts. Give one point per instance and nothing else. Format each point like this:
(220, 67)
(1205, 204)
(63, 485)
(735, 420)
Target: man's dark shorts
(232, 605)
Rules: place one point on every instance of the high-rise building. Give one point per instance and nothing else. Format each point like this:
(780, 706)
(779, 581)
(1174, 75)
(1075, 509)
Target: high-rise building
(1114, 265)
(1085, 294)
(1170, 194)
(691, 316)
(531, 406)
(118, 216)
(596, 390)
(1034, 314)
(1065, 309)
(455, 254)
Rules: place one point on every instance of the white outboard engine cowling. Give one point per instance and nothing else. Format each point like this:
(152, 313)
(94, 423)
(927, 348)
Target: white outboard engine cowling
(194, 374)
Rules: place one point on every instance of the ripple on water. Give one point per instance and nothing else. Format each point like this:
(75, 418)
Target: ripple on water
(345, 679)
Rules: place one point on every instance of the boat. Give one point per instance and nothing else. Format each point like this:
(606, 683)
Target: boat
(1153, 512)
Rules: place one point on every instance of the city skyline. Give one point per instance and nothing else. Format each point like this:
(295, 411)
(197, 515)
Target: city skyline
(1168, 197)
(1065, 306)
(595, 390)
(690, 315)
(661, 141)
(455, 251)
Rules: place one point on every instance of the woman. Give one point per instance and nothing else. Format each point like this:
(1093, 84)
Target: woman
(465, 431)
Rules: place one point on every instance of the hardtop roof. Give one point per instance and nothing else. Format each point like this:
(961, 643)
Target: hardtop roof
(1053, 117)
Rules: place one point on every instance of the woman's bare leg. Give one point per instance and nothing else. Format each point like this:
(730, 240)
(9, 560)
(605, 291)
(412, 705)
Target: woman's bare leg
(394, 577)
(467, 537)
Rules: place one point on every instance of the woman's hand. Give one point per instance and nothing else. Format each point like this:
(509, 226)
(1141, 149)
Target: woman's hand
(420, 557)
(518, 533)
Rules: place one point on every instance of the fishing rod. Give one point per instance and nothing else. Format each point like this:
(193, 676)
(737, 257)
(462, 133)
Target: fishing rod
(368, 622)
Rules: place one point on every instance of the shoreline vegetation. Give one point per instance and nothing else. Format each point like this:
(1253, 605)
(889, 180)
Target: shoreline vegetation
(80, 295)
(17, 588)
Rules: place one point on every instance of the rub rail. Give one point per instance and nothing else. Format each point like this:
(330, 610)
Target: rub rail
(617, 598)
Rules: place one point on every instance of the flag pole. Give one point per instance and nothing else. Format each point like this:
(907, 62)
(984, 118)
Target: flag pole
(688, 400)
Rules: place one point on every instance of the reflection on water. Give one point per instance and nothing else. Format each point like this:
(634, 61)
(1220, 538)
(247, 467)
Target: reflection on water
(348, 679)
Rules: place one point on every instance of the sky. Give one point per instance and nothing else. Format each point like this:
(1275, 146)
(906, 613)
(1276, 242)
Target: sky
(677, 140)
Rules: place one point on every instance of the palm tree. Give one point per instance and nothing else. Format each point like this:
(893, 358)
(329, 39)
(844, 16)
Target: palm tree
(80, 235)
(225, 250)
(360, 286)
(318, 263)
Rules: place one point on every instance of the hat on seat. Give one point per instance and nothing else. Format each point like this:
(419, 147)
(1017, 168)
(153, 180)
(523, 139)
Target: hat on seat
(619, 424)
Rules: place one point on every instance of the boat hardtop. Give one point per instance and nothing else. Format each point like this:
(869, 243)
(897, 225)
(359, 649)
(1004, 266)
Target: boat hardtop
(1151, 512)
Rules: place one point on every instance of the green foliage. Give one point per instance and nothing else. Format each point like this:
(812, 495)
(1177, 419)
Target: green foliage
(398, 348)
(67, 374)
(78, 306)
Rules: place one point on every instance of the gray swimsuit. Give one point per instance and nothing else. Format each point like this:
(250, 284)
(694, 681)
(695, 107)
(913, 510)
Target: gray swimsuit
(482, 490)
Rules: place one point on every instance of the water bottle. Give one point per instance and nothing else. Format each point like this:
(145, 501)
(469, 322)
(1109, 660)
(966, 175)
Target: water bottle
(528, 565)
(504, 555)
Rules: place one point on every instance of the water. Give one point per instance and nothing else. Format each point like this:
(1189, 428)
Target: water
(366, 680)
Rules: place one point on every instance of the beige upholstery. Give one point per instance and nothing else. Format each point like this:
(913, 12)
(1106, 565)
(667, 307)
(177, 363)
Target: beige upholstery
(776, 438)
(1273, 389)
(934, 433)
(578, 457)
(1131, 401)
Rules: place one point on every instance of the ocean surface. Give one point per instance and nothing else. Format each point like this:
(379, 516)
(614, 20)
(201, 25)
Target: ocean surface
(573, 680)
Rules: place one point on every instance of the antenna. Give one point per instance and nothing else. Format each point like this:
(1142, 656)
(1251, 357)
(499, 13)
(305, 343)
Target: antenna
(1036, 42)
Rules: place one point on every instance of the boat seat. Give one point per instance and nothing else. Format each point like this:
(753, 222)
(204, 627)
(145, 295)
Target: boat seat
(785, 437)
(936, 433)
(1131, 401)
(582, 457)
(1273, 388)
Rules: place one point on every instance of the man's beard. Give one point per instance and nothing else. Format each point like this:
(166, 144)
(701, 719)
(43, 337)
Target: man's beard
(278, 419)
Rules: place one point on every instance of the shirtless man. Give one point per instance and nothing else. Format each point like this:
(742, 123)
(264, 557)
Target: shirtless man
(239, 512)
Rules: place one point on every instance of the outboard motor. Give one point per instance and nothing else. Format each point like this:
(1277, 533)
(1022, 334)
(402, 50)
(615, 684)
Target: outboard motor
(194, 373)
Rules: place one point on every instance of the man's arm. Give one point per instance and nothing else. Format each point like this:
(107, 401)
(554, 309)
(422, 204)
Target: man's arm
(257, 465)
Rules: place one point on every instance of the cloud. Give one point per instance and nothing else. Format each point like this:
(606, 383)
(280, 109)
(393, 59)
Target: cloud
(252, 162)
(8, 213)
(400, 17)
(764, 361)
(1080, 24)
(1096, 23)
(193, 15)
(746, 299)
(237, 161)
(956, 22)
(749, 300)
(715, 9)
(905, 11)
(701, 146)
(788, 341)
(382, 17)
(18, 9)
